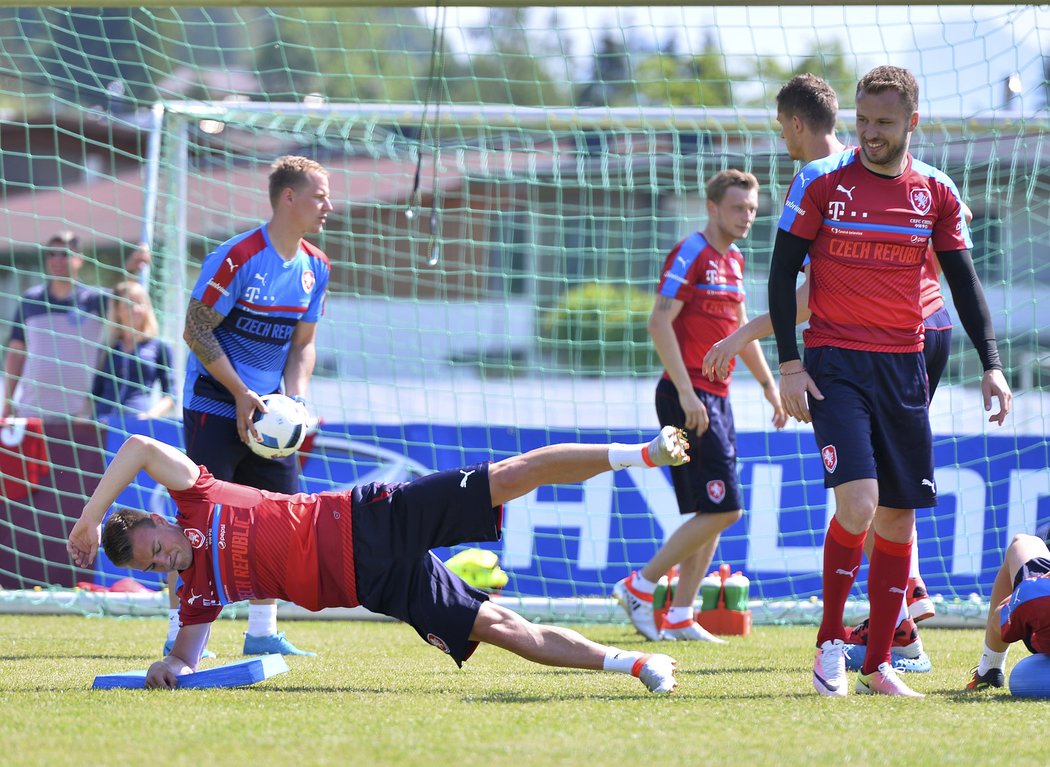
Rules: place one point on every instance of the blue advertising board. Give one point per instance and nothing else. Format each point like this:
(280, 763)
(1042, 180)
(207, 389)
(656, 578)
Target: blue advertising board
(579, 540)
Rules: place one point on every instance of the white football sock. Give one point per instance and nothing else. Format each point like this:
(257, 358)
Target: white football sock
(638, 583)
(991, 659)
(621, 661)
(173, 624)
(623, 456)
(262, 620)
(679, 614)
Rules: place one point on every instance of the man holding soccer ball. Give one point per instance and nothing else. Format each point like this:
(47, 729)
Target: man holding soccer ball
(251, 323)
(366, 546)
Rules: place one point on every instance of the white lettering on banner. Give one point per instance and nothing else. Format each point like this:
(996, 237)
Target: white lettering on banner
(658, 492)
(1027, 487)
(764, 551)
(969, 489)
(592, 517)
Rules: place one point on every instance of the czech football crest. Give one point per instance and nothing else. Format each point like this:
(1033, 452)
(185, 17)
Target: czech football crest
(194, 536)
(439, 643)
(830, 457)
(308, 281)
(716, 490)
(921, 201)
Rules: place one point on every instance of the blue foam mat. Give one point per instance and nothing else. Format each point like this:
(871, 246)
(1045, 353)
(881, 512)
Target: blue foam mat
(1031, 677)
(236, 674)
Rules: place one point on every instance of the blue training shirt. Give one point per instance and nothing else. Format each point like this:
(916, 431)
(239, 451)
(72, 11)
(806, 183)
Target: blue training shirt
(262, 298)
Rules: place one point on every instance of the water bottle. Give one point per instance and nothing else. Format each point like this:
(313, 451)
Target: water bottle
(737, 591)
(662, 595)
(709, 588)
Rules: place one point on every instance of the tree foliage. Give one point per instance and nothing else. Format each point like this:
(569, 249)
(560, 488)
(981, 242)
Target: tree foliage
(123, 58)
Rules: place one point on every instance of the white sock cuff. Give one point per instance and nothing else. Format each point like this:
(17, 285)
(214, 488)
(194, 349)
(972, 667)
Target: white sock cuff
(262, 620)
(623, 456)
(679, 614)
(643, 585)
(991, 659)
(621, 661)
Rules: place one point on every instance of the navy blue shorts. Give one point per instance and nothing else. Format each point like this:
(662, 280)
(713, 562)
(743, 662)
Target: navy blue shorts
(938, 346)
(873, 423)
(212, 441)
(709, 482)
(1033, 567)
(395, 526)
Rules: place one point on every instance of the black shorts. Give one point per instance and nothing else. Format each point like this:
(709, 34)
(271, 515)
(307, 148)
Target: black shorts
(873, 423)
(395, 526)
(212, 441)
(937, 347)
(709, 482)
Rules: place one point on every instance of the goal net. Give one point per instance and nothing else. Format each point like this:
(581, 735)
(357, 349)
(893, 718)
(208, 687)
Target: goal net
(506, 185)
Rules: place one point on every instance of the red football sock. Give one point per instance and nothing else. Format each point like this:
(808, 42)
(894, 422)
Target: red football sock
(842, 553)
(887, 581)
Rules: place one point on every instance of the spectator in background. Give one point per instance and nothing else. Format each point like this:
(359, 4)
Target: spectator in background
(53, 349)
(139, 262)
(135, 362)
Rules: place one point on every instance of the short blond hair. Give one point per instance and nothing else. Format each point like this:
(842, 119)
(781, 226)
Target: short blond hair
(291, 171)
(717, 186)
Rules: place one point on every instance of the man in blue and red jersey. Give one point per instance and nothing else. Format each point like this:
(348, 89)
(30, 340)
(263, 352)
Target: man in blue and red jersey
(1019, 609)
(866, 217)
(807, 110)
(700, 299)
(251, 323)
(366, 546)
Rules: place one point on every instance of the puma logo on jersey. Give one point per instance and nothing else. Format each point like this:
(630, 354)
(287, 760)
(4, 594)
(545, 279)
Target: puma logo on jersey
(466, 475)
(193, 598)
(895, 590)
(683, 261)
(845, 191)
(233, 266)
(261, 278)
(851, 573)
(929, 483)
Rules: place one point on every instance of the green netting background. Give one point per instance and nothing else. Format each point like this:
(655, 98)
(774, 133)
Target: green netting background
(501, 302)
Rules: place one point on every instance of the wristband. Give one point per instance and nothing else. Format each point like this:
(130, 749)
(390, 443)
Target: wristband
(793, 373)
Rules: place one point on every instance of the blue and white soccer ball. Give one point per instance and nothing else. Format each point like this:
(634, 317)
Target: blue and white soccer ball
(282, 428)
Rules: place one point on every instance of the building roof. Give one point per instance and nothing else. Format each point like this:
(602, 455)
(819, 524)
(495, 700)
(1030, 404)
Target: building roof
(108, 211)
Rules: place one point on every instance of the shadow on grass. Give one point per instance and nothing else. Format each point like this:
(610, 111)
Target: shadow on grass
(982, 697)
(511, 696)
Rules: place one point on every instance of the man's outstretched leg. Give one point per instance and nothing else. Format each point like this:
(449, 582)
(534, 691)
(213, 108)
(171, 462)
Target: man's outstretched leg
(555, 646)
(569, 463)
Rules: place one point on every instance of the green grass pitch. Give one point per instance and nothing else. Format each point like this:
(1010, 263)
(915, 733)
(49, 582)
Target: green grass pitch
(377, 695)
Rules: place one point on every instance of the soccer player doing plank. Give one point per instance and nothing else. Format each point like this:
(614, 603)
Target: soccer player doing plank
(366, 546)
